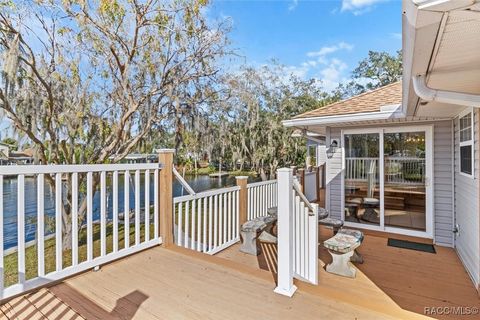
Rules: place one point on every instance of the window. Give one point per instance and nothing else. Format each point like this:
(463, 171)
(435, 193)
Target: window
(466, 143)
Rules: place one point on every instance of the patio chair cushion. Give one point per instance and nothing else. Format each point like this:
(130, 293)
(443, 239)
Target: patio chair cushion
(344, 241)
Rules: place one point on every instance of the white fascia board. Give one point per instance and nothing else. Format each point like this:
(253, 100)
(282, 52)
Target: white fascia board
(442, 5)
(353, 117)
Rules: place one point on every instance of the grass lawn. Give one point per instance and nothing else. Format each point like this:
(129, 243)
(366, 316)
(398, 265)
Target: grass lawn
(11, 262)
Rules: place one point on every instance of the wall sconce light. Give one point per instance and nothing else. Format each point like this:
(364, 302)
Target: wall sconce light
(332, 148)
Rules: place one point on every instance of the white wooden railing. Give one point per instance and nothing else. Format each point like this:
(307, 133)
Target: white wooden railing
(88, 186)
(208, 221)
(297, 235)
(305, 237)
(261, 196)
(398, 170)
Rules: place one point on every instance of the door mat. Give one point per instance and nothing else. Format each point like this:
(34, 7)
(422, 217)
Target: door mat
(411, 245)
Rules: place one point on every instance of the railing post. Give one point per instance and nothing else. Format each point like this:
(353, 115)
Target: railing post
(242, 199)
(301, 179)
(285, 284)
(165, 195)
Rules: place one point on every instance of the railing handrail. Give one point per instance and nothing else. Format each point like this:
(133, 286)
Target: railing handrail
(75, 168)
(386, 157)
(261, 183)
(183, 182)
(204, 194)
(296, 187)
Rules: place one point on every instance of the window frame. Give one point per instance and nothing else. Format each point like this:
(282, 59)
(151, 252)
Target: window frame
(470, 142)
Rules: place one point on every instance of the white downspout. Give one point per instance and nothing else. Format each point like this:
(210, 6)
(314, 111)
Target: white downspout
(451, 97)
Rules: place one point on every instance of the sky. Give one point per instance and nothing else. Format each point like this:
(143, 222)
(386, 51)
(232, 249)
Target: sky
(323, 39)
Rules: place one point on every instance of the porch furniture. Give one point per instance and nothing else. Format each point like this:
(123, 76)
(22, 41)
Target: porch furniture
(250, 231)
(370, 203)
(342, 249)
(352, 210)
(322, 213)
(335, 224)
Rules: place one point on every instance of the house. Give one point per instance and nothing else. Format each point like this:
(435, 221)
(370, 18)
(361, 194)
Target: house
(405, 158)
(4, 149)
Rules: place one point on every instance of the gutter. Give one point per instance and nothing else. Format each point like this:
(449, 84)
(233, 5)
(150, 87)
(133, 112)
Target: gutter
(428, 94)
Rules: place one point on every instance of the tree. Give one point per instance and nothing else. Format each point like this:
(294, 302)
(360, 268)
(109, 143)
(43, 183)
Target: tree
(86, 81)
(377, 70)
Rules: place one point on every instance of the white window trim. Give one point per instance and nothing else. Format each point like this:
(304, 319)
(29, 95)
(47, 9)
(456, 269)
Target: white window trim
(470, 142)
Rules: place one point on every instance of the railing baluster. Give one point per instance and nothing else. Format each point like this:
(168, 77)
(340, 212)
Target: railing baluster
(199, 226)
(40, 224)
(187, 224)
(210, 209)
(21, 228)
(58, 221)
(103, 213)
(224, 217)
(89, 216)
(215, 223)
(194, 227)
(126, 209)
(74, 218)
(220, 219)
(115, 210)
(147, 205)
(137, 207)
(300, 209)
(179, 224)
(156, 195)
(204, 233)
(237, 214)
(229, 215)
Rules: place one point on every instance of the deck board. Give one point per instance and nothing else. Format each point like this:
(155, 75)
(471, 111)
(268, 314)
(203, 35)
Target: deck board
(177, 283)
(411, 280)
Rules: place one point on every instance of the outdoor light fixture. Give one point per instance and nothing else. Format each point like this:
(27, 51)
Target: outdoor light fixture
(332, 148)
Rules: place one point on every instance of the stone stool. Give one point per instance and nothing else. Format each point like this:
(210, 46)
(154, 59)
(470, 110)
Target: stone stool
(342, 248)
(250, 231)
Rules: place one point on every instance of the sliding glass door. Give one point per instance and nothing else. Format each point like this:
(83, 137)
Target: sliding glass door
(405, 173)
(386, 174)
(362, 189)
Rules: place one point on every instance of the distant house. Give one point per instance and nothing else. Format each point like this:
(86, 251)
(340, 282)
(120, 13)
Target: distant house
(405, 158)
(4, 150)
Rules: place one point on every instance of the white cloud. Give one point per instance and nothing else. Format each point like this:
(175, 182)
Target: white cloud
(330, 49)
(358, 7)
(333, 74)
(324, 65)
(293, 5)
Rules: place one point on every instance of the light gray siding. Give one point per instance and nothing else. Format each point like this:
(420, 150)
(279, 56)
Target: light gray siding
(443, 188)
(467, 209)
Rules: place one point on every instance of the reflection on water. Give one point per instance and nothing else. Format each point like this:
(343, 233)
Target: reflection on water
(198, 183)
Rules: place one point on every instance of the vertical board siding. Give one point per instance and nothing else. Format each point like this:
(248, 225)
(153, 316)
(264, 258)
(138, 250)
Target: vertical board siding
(442, 180)
(467, 208)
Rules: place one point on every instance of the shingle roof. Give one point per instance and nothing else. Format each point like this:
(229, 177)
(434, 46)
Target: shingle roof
(370, 101)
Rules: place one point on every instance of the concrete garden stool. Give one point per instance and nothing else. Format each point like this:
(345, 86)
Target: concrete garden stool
(342, 248)
(335, 224)
(250, 231)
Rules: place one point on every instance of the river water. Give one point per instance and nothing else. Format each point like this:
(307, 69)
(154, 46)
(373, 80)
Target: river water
(198, 183)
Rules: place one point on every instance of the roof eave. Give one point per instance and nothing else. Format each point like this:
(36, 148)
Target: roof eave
(385, 114)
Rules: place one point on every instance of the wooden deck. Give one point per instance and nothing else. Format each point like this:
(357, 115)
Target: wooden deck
(390, 278)
(176, 283)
